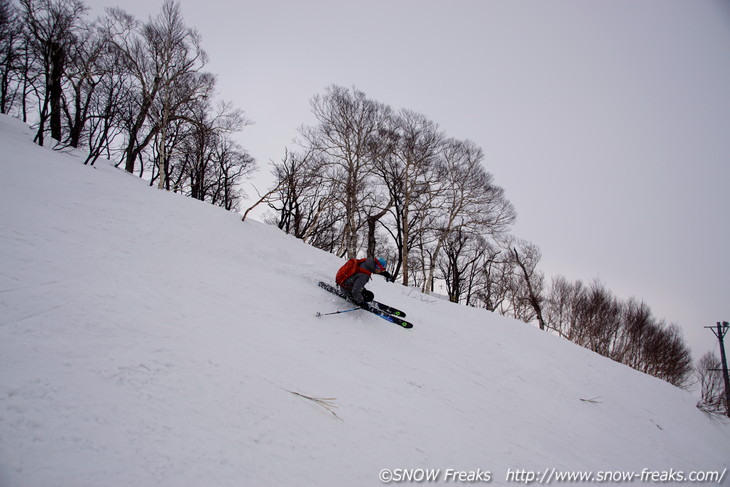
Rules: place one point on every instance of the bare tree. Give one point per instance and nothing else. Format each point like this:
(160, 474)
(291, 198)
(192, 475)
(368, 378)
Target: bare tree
(624, 331)
(637, 324)
(603, 319)
(86, 69)
(201, 159)
(164, 59)
(302, 193)
(106, 99)
(460, 264)
(712, 388)
(407, 168)
(347, 123)
(232, 165)
(533, 280)
(667, 355)
(11, 50)
(468, 199)
(494, 272)
(377, 199)
(93, 82)
(558, 306)
(51, 29)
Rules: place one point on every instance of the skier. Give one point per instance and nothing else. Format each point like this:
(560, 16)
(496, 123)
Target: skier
(353, 276)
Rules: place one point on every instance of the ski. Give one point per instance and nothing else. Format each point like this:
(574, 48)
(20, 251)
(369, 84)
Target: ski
(389, 309)
(375, 304)
(387, 317)
(373, 307)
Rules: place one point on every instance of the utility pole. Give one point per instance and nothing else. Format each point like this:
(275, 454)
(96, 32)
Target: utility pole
(720, 330)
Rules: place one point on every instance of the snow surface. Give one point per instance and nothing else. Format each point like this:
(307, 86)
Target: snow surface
(147, 339)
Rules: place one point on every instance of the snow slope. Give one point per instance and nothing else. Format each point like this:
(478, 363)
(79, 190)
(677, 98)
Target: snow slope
(149, 339)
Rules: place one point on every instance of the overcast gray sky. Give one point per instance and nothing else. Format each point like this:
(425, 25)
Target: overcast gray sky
(606, 121)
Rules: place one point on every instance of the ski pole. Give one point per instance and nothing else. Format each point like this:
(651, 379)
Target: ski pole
(336, 312)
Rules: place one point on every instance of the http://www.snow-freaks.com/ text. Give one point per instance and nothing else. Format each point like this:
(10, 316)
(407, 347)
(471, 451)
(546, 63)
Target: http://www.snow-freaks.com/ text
(548, 476)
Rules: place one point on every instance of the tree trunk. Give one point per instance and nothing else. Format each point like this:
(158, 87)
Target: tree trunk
(78, 123)
(406, 237)
(350, 227)
(133, 148)
(56, 91)
(372, 221)
(162, 151)
(534, 299)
